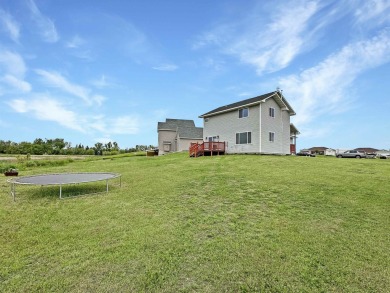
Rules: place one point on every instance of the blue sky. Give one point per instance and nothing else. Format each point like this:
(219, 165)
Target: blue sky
(90, 71)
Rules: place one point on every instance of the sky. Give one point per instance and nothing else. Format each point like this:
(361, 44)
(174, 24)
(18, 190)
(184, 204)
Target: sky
(98, 71)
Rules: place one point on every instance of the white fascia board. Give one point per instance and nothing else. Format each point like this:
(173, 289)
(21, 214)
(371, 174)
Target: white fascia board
(232, 109)
(286, 106)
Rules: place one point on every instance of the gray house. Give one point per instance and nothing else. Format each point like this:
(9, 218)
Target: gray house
(176, 135)
(257, 125)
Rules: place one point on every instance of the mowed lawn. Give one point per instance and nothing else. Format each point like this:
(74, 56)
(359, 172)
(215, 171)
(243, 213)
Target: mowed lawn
(241, 223)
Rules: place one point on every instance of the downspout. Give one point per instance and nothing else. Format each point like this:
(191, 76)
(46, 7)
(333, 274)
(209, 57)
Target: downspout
(282, 138)
(260, 128)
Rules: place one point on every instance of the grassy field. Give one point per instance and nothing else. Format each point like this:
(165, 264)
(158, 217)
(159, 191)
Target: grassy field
(210, 224)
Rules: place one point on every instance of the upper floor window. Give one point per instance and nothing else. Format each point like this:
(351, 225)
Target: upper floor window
(272, 112)
(244, 112)
(244, 138)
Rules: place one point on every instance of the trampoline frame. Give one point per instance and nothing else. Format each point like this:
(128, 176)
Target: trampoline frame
(14, 181)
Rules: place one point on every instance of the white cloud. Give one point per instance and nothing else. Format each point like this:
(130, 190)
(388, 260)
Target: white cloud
(102, 82)
(75, 42)
(14, 69)
(45, 25)
(325, 88)
(377, 10)
(10, 25)
(12, 63)
(267, 44)
(98, 99)
(48, 109)
(166, 67)
(55, 79)
(124, 125)
(16, 83)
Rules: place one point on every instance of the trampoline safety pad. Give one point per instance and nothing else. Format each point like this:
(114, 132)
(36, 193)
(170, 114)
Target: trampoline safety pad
(62, 179)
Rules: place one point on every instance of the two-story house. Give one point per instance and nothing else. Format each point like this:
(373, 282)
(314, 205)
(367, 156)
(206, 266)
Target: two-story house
(257, 125)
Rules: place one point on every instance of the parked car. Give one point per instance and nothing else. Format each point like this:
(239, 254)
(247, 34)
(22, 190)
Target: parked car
(306, 154)
(352, 154)
(371, 156)
(384, 156)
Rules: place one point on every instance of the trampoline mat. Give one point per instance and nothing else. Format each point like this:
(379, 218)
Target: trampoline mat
(65, 178)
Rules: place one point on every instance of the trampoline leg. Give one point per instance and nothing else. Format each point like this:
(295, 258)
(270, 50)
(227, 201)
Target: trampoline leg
(60, 191)
(107, 186)
(13, 190)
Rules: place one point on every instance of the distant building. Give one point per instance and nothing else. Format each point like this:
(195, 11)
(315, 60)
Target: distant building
(318, 150)
(322, 151)
(367, 150)
(176, 135)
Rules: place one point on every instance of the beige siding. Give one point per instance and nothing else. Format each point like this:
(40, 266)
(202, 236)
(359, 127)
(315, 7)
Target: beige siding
(166, 135)
(183, 144)
(226, 126)
(280, 125)
(259, 123)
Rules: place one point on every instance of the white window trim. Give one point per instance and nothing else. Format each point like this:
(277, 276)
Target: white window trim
(243, 109)
(269, 112)
(246, 137)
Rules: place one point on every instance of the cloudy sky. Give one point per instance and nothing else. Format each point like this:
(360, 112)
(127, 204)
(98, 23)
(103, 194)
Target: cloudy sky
(90, 71)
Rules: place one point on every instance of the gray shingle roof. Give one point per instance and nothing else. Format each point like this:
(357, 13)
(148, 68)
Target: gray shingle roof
(293, 129)
(173, 124)
(185, 128)
(251, 101)
(191, 132)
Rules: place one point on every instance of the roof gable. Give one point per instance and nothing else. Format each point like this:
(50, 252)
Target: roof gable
(184, 128)
(277, 95)
(173, 124)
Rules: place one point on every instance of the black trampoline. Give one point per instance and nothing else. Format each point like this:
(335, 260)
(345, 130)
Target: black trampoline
(62, 179)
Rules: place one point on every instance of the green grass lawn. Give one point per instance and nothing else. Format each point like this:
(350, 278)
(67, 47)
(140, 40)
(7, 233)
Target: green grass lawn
(210, 224)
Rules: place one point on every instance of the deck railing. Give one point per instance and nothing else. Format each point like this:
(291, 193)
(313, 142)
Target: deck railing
(199, 149)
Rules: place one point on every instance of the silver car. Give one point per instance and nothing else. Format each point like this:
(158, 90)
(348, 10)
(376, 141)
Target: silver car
(352, 154)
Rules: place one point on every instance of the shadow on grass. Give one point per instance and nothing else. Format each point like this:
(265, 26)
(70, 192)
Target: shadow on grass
(67, 191)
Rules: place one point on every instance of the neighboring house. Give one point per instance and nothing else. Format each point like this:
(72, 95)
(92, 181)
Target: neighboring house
(318, 150)
(176, 135)
(257, 125)
(339, 151)
(367, 150)
(322, 151)
(382, 152)
(330, 152)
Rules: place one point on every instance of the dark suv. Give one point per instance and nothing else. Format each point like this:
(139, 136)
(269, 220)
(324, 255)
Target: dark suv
(352, 154)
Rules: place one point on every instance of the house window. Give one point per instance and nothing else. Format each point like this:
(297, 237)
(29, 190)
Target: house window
(272, 112)
(244, 138)
(272, 136)
(244, 112)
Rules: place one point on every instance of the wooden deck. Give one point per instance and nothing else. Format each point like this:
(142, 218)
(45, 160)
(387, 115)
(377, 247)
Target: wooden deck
(207, 149)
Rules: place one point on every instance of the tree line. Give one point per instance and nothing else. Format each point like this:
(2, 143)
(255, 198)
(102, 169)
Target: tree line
(59, 146)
